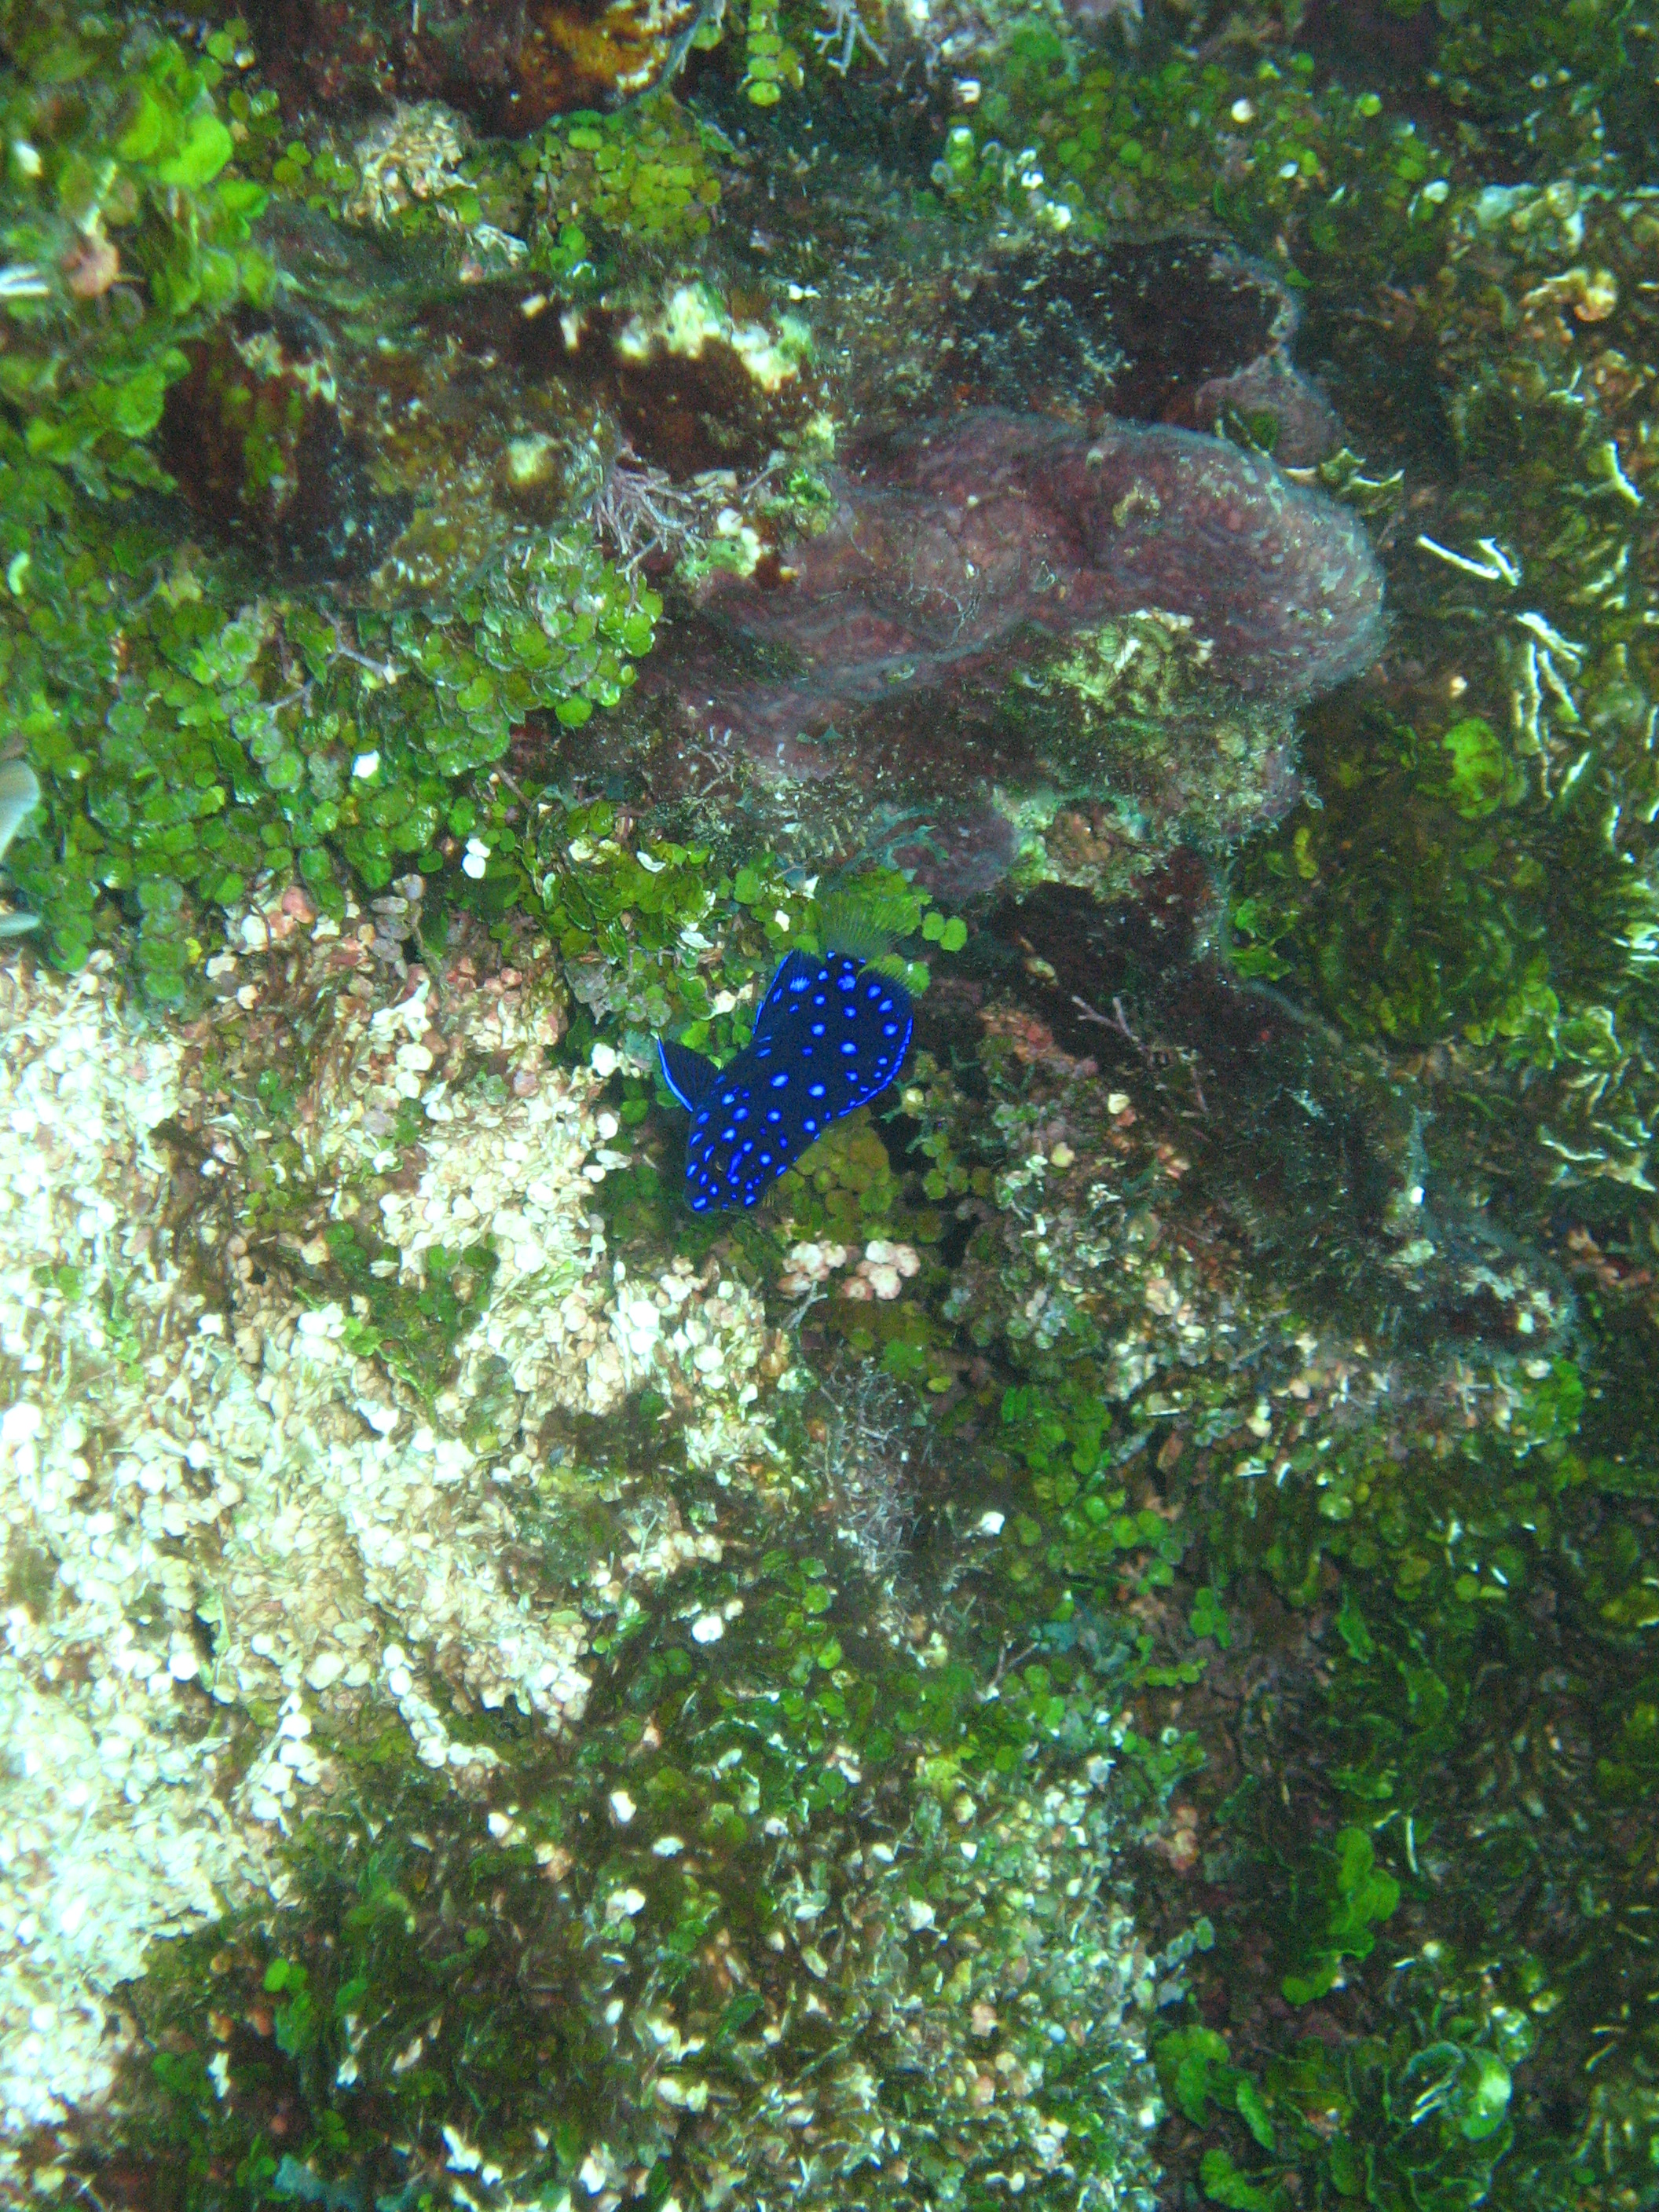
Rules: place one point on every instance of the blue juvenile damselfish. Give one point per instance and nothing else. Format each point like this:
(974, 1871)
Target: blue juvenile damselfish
(830, 1034)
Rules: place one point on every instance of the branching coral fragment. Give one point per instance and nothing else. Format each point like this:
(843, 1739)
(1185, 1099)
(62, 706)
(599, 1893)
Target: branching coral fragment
(846, 29)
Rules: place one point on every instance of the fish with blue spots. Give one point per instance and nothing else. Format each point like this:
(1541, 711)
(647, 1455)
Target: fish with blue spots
(830, 1033)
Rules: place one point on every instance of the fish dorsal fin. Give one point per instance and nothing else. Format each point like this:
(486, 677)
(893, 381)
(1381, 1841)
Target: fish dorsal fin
(796, 975)
(687, 1073)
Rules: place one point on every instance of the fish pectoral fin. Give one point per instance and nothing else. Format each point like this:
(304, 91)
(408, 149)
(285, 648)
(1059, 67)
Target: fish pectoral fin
(796, 975)
(687, 1073)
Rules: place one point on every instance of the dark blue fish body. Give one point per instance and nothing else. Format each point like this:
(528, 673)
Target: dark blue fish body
(830, 1034)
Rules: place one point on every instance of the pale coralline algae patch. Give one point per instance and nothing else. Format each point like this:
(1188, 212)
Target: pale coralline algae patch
(235, 1539)
(112, 1837)
(112, 1827)
(517, 1160)
(363, 1531)
(994, 1912)
(414, 154)
(703, 1342)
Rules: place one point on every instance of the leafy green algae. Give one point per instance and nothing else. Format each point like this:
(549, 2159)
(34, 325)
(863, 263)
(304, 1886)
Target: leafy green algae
(1260, 145)
(187, 753)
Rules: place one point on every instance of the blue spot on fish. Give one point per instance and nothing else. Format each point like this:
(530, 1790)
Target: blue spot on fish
(722, 1167)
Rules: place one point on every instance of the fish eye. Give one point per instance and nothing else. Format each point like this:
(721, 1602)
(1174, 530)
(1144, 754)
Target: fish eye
(781, 1079)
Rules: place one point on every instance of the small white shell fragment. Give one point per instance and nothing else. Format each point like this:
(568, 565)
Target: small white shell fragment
(708, 1628)
(19, 1423)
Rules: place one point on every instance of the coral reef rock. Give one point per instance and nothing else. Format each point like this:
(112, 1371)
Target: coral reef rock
(508, 64)
(239, 1532)
(1122, 623)
(954, 542)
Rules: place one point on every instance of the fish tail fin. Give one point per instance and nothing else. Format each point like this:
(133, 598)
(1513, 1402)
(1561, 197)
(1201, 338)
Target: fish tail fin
(687, 1073)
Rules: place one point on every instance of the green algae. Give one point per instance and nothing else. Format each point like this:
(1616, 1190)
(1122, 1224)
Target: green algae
(651, 175)
(1590, 63)
(1470, 2009)
(411, 2009)
(1486, 914)
(187, 754)
(771, 65)
(1420, 1578)
(1258, 145)
(120, 160)
(1148, 752)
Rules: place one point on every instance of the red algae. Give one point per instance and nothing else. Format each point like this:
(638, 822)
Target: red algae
(969, 541)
